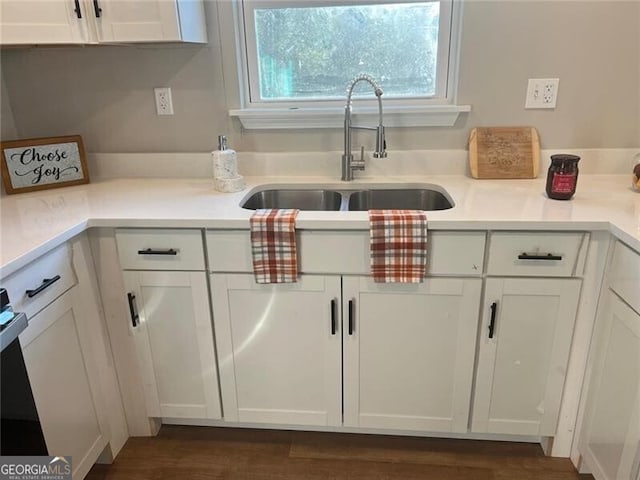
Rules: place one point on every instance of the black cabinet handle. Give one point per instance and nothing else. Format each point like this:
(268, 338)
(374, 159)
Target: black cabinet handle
(548, 256)
(97, 9)
(46, 283)
(133, 310)
(77, 9)
(150, 251)
(334, 323)
(352, 313)
(492, 323)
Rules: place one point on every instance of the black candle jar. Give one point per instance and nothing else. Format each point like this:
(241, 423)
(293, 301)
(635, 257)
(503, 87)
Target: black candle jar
(562, 177)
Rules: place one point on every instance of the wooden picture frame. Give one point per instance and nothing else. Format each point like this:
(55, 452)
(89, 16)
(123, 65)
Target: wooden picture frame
(43, 163)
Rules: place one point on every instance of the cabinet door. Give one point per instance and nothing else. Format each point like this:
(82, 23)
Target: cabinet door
(64, 381)
(610, 442)
(523, 358)
(174, 342)
(42, 22)
(279, 348)
(409, 353)
(138, 21)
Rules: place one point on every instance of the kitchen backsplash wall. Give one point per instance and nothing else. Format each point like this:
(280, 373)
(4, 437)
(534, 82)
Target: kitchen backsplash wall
(400, 163)
(105, 93)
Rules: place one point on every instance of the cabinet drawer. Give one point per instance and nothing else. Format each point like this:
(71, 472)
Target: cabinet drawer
(347, 252)
(42, 281)
(160, 249)
(624, 276)
(537, 254)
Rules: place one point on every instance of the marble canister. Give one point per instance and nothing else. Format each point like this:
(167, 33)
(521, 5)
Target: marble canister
(225, 168)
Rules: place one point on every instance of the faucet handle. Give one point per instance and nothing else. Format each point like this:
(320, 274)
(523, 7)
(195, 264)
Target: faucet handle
(358, 164)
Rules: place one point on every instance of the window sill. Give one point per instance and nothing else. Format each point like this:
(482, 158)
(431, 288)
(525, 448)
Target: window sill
(333, 117)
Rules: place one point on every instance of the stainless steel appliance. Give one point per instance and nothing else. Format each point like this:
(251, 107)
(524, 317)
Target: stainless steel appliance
(21, 433)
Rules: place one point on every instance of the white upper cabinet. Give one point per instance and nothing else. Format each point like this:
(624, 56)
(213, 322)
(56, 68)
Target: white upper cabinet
(42, 22)
(101, 21)
(149, 21)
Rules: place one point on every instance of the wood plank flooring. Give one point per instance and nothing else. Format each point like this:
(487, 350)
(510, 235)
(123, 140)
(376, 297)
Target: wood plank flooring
(204, 453)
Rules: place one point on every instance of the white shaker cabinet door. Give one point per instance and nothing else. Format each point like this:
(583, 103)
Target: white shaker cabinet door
(65, 384)
(279, 349)
(174, 343)
(42, 22)
(409, 353)
(524, 344)
(610, 442)
(149, 20)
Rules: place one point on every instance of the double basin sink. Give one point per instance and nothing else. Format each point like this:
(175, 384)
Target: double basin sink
(429, 197)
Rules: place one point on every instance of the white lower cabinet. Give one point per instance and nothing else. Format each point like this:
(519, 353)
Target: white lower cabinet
(524, 345)
(610, 440)
(402, 354)
(64, 379)
(280, 354)
(409, 353)
(171, 322)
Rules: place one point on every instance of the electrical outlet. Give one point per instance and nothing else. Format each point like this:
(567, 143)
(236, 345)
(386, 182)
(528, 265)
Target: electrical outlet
(164, 105)
(542, 93)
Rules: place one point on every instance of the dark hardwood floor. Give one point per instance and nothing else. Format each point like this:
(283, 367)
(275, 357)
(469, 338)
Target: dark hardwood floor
(200, 453)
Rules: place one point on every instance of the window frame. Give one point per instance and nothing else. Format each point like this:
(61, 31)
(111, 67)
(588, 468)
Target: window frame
(439, 110)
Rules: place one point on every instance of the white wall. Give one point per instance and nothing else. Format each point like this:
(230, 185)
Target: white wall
(7, 123)
(105, 92)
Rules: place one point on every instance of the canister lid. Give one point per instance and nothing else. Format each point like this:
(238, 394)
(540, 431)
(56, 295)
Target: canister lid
(565, 157)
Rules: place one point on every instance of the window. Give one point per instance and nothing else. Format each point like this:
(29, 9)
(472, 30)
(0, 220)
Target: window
(300, 55)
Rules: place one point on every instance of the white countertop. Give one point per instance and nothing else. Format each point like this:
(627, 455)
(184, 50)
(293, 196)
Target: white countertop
(33, 223)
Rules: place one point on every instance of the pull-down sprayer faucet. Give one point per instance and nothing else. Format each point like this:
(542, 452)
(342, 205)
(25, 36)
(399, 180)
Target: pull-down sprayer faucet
(348, 163)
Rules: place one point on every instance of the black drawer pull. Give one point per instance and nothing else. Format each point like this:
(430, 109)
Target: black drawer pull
(133, 310)
(77, 9)
(492, 323)
(334, 316)
(548, 256)
(97, 9)
(150, 251)
(352, 313)
(46, 283)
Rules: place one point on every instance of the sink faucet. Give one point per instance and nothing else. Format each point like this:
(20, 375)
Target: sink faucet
(348, 163)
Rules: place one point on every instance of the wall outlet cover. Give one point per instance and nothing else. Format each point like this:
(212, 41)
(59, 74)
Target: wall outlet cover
(164, 103)
(542, 93)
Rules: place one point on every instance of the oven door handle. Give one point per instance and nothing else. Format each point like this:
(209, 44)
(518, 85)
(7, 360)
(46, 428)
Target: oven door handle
(12, 329)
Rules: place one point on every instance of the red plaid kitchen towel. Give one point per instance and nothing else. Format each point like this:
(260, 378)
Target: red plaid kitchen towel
(273, 246)
(398, 245)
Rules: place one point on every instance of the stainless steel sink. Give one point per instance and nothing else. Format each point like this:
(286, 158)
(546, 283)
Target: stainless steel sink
(399, 198)
(318, 199)
(416, 198)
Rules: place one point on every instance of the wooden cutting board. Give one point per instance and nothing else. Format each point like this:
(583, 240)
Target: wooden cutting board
(504, 152)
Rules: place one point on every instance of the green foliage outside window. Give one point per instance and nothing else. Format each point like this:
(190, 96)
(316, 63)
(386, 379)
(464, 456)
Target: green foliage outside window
(314, 52)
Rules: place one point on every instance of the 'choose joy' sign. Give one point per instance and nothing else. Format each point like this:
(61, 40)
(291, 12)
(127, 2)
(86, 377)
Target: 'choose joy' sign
(41, 163)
